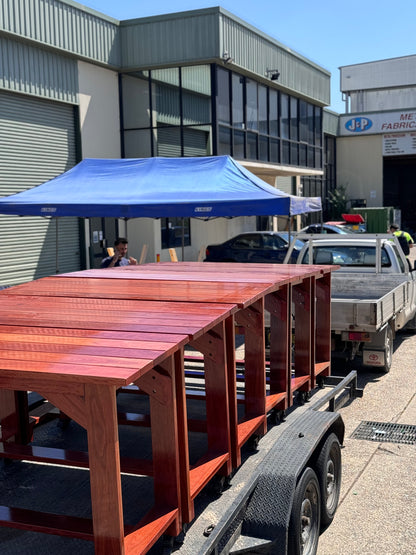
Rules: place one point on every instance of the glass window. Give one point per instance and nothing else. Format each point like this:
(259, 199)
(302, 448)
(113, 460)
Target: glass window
(294, 134)
(197, 141)
(284, 117)
(136, 104)
(273, 242)
(318, 157)
(166, 99)
(263, 120)
(238, 147)
(311, 157)
(175, 232)
(303, 121)
(196, 95)
(168, 141)
(294, 153)
(274, 150)
(311, 130)
(137, 143)
(252, 146)
(248, 241)
(238, 100)
(302, 155)
(223, 97)
(285, 152)
(263, 148)
(252, 103)
(274, 113)
(318, 126)
(224, 140)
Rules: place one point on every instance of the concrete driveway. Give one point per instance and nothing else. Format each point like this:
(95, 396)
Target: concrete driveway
(377, 509)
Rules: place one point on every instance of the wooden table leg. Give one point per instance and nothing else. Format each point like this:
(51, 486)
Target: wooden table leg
(14, 416)
(104, 457)
(165, 450)
(252, 318)
(232, 391)
(187, 504)
(303, 297)
(278, 304)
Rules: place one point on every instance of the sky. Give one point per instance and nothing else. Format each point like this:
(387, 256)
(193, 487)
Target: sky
(330, 34)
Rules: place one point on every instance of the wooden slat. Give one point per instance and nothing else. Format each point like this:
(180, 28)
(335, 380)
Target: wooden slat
(48, 523)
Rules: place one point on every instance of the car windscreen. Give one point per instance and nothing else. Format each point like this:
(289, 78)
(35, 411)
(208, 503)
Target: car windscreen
(346, 256)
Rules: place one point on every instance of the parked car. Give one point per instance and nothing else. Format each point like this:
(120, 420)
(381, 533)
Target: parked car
(253, 246)
(325, 228)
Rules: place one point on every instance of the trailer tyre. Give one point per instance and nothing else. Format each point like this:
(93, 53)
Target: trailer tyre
(329, 469)
(305, 515)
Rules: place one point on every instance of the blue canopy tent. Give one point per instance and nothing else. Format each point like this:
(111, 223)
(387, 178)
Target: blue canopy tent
(201, 187)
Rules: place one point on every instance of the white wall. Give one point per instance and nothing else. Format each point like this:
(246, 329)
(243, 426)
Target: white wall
(147, 231)
(360, 167)
(99, 112)
(99, 117)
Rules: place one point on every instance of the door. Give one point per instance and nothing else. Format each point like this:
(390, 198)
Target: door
(103, 233)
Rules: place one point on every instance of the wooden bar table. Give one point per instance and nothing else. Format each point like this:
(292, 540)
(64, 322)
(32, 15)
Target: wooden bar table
(77, 351)
(199, 304)
(281, 289)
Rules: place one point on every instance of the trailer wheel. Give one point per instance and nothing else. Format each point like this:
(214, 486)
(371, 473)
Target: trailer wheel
(305, 515)
(328, 469)
(388, 350)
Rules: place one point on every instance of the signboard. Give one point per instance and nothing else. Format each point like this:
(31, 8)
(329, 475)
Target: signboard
(381, 122)
(397, 144)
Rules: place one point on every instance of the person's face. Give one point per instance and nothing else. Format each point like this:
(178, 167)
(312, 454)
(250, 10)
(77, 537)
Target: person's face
(121, 249)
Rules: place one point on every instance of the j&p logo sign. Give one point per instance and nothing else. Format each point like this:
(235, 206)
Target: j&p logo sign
(358, 125)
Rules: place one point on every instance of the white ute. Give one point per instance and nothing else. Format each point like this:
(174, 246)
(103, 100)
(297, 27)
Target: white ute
(373, 293)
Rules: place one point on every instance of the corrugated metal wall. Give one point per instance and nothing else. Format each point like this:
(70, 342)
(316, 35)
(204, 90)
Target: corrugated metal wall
(257, 52)
(37, 140)
(30, 70)
(200, 35)
(171, 39)
(330, 123)
(64, 26)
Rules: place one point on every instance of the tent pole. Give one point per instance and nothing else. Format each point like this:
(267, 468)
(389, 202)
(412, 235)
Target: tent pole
(56, 247)
(183, 239)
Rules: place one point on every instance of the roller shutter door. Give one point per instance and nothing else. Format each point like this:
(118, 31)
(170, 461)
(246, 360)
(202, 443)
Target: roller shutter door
(37, 139)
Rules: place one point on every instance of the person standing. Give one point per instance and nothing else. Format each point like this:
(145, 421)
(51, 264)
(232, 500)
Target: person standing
(405, 239)
(120, 255)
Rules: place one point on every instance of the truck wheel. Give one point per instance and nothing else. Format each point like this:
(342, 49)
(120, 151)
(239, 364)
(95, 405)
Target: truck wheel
(388, 350)
(328, 469)
(305, 515)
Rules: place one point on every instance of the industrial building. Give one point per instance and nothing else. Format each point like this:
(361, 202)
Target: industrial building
(376, 144)
(76, 84)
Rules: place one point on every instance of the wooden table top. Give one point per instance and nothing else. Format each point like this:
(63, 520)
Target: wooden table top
(210, 271)
(95, 340)
(224, 283)
(116, 324)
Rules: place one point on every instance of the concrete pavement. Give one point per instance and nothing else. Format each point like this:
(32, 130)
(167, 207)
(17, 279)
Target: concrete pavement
(377, 508)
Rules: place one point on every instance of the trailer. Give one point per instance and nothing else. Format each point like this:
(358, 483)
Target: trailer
(187, 447)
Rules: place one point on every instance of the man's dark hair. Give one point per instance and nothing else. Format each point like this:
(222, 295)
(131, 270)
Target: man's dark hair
(394, 226)
(120, 241)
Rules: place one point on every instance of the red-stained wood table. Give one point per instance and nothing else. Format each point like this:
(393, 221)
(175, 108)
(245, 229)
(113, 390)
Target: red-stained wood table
(290, 293)
(180, 303)
(77, 352)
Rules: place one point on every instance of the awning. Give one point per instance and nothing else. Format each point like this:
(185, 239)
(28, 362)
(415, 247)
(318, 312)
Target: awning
(202, 187)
